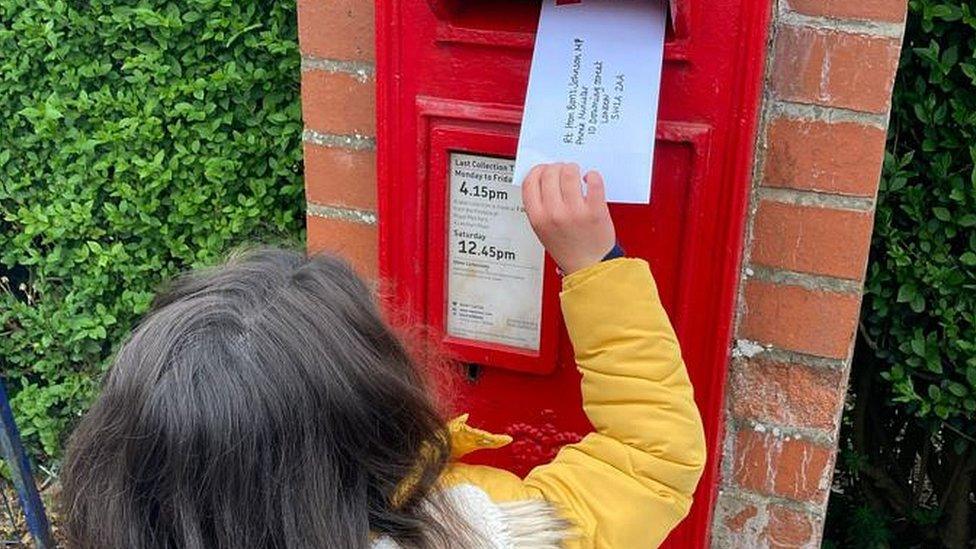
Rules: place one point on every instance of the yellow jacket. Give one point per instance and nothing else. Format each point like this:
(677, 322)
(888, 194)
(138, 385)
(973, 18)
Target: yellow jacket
(630, 482)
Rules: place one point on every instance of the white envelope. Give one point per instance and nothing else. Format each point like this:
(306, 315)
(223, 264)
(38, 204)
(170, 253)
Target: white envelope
(593, 92)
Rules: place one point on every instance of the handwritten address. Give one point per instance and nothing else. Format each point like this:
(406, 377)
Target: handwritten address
(593, 101)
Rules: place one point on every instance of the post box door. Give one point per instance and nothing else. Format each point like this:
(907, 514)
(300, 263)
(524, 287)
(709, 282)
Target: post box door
(451, 81)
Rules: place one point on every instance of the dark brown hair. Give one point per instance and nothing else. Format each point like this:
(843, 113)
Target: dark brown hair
(262, 403)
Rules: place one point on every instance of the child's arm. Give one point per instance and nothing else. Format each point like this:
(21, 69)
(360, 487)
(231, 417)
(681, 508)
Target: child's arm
(629, 483)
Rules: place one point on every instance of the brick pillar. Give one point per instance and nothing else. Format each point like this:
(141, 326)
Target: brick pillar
(821, 143)
(338, 107)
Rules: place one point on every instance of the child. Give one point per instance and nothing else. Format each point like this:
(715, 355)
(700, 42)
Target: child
(264, 404)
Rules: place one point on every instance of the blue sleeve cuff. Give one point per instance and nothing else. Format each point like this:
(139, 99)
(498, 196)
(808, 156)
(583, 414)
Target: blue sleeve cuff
(616, 252)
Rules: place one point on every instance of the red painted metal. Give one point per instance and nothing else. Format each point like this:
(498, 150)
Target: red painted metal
(451, 76)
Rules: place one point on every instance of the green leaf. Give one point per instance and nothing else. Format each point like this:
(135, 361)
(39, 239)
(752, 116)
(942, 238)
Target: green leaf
(918, 346)
(947, 12)
(917, 303)
(957, 389)
(949, 58)
(906, 293)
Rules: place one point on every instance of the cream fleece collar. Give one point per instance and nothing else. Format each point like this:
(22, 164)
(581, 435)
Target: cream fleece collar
(529, 524)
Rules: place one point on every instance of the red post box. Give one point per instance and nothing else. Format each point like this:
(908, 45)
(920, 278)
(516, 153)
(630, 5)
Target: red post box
(451, 81)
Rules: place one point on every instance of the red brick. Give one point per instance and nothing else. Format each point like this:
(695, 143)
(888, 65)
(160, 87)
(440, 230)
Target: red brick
(337, 29)
(791, 468)
(336, 102)
(812, 240)
(737, 522)
(876, 10)
(340, 177)
(789, 528)
(355, 242)
(786, 394)
(837, 69)
(808, 321)
(840, 158)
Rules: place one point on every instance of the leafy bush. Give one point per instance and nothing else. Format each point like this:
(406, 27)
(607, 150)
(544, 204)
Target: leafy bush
(137, 139)
(910, 435)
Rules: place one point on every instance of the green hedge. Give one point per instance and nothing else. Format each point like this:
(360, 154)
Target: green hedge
(137, 139)
(922, 283)
(909, 460)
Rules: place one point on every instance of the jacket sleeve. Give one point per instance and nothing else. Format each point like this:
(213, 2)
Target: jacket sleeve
(630, 482)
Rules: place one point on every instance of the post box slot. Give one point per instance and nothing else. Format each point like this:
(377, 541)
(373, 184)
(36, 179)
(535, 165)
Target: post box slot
(522, 16)
(499, 15)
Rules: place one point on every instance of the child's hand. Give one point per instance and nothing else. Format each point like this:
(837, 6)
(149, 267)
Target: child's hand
(576, 230)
